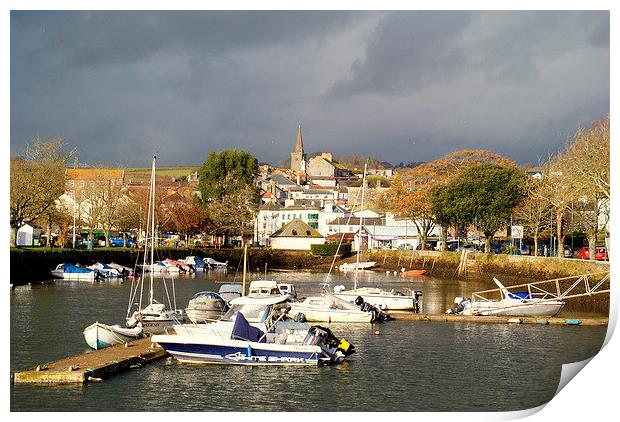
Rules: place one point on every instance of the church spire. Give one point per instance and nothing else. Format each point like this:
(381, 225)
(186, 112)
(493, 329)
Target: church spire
(299, 145)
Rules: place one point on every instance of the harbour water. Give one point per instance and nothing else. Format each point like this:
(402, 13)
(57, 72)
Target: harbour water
(410, 366)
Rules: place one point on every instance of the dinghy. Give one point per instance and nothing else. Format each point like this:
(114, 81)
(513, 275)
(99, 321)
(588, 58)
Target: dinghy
(100, 335)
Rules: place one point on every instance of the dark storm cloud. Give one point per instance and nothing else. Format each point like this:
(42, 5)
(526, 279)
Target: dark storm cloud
(400, 86)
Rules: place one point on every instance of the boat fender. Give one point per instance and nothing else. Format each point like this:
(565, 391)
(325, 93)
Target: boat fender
(249, 351)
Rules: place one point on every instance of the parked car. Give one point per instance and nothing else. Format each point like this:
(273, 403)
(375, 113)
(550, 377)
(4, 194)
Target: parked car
(584, 253)
(118, 242)
(405, 246)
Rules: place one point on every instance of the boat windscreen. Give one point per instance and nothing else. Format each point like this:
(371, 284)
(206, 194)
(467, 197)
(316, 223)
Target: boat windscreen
(254, 313)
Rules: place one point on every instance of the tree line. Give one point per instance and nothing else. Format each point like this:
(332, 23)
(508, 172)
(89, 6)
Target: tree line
(484, 191)
(469, 189)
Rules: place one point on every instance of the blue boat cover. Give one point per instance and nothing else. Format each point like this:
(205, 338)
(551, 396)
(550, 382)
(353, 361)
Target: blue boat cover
(242, 330)
(519, 295)
(198, 263)
(70, 268)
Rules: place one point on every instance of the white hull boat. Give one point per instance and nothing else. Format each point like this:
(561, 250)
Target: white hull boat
(156, 318)
(353, 266)
(72, 272)
(261, 338)
(99, 336)
(510, 304)
(205, 307)
(327, 308)
(384, 300)
(212, 263)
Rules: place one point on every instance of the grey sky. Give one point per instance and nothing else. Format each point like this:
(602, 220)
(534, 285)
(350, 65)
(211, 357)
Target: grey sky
(401, 86)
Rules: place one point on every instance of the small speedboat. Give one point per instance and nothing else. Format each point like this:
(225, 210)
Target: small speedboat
(353, 266)
(206, 307)
(385, 300)
(195, 261)
(212, 263)
(510, 304)
(73, 272)
(182, 266)
(99, 336)
(255, 332)
(328, 308)
(105, 270)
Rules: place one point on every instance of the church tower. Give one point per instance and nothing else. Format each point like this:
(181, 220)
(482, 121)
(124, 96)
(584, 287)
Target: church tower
(298, 156)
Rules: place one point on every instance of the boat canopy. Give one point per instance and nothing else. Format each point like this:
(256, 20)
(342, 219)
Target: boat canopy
(242, 330)
(70, 268)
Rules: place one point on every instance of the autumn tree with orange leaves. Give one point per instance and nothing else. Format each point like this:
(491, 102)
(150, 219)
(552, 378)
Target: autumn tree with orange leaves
(412, 188)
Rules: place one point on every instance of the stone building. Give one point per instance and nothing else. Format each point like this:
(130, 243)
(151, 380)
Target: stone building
(324, 165)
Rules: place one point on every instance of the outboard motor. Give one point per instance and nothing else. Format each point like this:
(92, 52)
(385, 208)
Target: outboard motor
(416, 301)
(329, 343)
(377, 314)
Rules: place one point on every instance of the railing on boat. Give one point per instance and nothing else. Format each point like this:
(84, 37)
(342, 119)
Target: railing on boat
(554, 289)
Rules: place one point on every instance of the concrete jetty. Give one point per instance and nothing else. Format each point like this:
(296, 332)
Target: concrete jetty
(91, 366)
(409, 316)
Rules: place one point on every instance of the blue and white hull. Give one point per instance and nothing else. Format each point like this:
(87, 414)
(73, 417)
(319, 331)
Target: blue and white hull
(238, 352)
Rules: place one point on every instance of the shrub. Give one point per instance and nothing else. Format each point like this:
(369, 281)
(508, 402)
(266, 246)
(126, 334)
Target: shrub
(328, 249)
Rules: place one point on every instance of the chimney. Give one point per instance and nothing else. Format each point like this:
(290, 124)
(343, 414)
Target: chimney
(298, 180)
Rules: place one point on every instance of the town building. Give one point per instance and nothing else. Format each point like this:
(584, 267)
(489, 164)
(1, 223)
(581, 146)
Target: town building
(296, 235)
(324, 165)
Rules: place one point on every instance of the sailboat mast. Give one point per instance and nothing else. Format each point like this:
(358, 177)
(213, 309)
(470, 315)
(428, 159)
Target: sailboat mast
(152, 227)
(359, 246)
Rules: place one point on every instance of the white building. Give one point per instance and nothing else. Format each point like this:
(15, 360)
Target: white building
(28, 236)
(273, 217)
(296, 235)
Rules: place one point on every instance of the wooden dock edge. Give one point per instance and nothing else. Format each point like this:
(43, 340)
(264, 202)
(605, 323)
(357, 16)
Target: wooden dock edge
(408, 316)
(98, 370)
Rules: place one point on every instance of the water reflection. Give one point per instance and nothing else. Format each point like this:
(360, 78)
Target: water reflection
(410, 366)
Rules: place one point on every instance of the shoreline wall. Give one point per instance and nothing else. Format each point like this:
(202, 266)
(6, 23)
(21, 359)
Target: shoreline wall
(35, 264)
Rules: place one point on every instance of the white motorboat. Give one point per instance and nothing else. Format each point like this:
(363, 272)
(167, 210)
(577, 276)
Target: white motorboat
(328, 308)
(195, 261)
(121, 269)
(357, 266)
(212, 263)
(205, 307)
(510, 304)
(105, 270)
(73, 272)
(385, 300)
(181, 266)
(254, 332)
(100, 335)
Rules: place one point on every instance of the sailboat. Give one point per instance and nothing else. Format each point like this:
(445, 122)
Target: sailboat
(382, 299)
(357, 265)
(155, 317)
